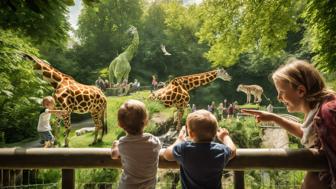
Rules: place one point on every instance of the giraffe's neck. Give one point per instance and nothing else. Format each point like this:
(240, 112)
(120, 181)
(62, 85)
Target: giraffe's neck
(190, 82)
(132, 48)
(49, 73)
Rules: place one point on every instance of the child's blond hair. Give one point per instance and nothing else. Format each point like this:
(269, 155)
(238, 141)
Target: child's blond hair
(203, 124)
(47, 99)
(132, 117)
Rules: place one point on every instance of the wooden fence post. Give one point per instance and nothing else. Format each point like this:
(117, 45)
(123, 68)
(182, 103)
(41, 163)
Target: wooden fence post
(68, 179)
(238, 178)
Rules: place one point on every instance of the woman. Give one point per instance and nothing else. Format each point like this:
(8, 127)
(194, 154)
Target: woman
(301, 88)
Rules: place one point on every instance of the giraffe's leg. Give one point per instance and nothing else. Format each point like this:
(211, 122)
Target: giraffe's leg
(67, 126)
(180, 112)
(98, 125)
(101, 126)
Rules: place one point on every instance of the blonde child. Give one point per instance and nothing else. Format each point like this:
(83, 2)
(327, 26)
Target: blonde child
(43, 127)
(139, 152)
(201, 159)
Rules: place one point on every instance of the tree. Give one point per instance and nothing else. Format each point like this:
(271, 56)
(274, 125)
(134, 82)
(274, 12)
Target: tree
(320, 36)
(44, 22)
(102, 34)
(232, 28)
(162, 26)
(20, 89)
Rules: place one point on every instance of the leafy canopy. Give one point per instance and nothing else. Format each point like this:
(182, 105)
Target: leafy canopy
(234, 27)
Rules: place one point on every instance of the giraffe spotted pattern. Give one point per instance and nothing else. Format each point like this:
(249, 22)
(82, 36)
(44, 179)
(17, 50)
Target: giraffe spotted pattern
(176, 93)
(74, 97)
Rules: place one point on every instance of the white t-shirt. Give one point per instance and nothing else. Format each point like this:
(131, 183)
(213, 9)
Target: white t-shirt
(44, 121)
(139, 158)
(309, 137)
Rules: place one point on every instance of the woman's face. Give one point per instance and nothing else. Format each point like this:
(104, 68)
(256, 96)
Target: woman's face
(291, 97)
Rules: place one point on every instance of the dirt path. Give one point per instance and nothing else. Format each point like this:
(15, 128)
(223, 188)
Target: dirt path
(74, 126)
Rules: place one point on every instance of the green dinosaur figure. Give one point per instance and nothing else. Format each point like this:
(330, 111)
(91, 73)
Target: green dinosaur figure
(120, 67)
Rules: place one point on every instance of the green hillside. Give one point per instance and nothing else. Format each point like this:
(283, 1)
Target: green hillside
(114, 131)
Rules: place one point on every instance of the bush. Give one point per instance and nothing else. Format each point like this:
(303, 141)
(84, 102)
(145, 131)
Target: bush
(243, 132)
(20, 89)
(85, 176)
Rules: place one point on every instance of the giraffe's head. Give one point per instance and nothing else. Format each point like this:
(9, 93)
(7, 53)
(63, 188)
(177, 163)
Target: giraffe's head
(132, 30)
(221, 73)
(48, 73)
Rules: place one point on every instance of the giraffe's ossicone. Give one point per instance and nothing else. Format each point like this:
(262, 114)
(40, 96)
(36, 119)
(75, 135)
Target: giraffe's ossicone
(175, 94)
(74, 97)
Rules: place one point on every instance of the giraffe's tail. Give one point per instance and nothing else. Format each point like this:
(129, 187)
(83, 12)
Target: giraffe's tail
(104, 117)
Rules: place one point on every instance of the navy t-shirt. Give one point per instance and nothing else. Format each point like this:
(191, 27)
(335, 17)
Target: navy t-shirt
(201, 164)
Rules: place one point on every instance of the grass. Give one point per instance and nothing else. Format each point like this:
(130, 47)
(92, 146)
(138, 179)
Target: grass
(249, 106)
(114, 132)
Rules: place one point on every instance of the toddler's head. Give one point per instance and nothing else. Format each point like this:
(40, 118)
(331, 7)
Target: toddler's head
(132, 117)
(48, 102)
(203, 125)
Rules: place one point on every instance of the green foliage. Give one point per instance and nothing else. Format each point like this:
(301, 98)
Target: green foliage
(155, 107)
(103, 73)
(254, 106)
(320, 36)
(266, 179)
(96, 176)
(114, 131)
(45, 22)
(20, 89)
(102, 35)
(48, 176)
(243, 132)
(161, 25)
(232, 28)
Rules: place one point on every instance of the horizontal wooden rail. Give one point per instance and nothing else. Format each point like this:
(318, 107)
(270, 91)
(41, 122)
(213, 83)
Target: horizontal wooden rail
(73, 158)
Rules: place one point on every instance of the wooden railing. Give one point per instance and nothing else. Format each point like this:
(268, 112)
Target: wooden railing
(69, 159)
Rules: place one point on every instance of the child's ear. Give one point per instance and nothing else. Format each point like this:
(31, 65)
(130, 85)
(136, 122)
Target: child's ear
(146, 121)
(189, 132)
(301, 90)
(119, 125)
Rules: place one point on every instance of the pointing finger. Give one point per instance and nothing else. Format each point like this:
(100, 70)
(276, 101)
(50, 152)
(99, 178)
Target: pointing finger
(253, 112)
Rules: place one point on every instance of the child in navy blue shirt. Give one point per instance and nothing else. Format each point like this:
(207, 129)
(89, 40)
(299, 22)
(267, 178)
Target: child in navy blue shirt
(201, 159)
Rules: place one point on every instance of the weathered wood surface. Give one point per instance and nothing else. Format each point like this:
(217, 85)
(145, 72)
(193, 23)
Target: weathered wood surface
(73, 158)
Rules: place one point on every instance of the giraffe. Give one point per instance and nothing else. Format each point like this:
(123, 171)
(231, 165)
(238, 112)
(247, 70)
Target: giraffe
(74, 97)
(175, 94)
(120, 67)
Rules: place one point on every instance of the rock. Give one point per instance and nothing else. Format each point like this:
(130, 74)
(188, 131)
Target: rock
(84, 130)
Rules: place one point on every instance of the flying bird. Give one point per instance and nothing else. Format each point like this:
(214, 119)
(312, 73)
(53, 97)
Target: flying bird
(163, 48)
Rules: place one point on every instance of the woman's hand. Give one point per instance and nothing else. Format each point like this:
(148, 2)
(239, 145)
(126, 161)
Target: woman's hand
(260, 115)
